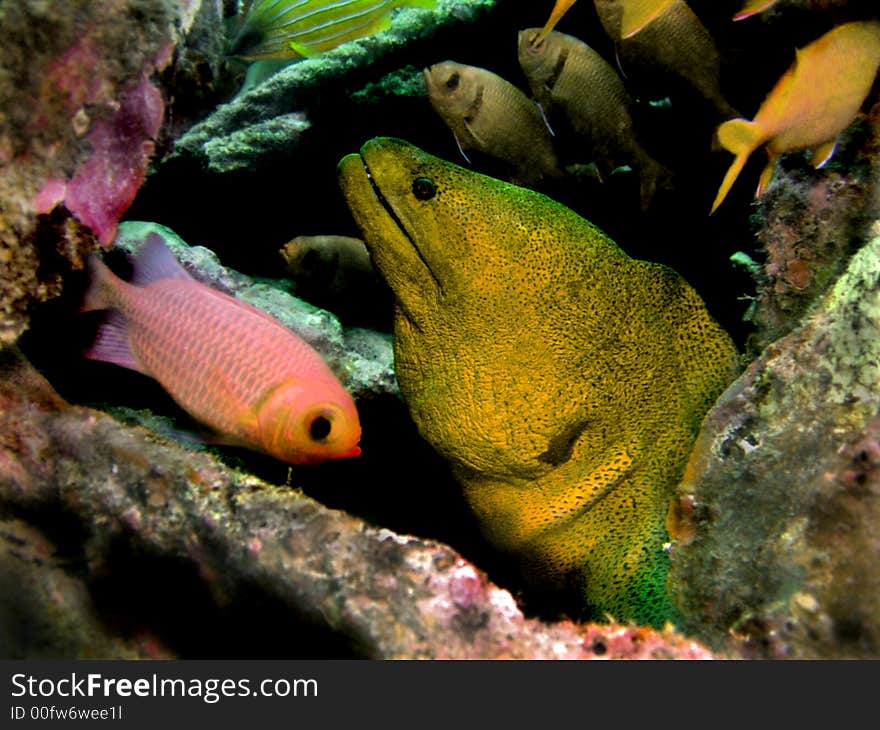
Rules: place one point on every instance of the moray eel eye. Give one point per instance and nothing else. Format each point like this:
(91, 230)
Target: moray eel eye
(424, 188)
(452, 81)
(319, 428)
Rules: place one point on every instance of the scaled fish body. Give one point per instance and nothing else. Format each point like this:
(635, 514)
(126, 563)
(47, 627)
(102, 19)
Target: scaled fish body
(814, 101)
(563, 380)
(487, 113)
(298, 28)
(753, 7)
(332, 263)
(676, 42)
(636, 15)
(568, 78)
(229, 365)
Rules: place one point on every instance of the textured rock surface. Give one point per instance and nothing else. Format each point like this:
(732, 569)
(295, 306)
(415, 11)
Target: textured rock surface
(239, 130)
(776, 527)
(388, 595)
(810, 223)
(47, 611)
(79, 117)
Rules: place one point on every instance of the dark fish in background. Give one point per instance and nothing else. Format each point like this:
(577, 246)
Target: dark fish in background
(571, 80)
(303, 28)
(333, 264)
(674, 42)
(337, 274)
(489, 114)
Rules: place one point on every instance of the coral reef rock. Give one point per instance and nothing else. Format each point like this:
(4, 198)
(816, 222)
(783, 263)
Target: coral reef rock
(248, 128)
(81, 113)
(776, 525)
(127, 492)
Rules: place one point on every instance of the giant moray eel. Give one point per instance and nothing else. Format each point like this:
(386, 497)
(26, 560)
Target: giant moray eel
(563, 380)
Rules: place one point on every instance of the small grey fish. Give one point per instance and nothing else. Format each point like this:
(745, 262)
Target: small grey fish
(571, 80)
(489, 114)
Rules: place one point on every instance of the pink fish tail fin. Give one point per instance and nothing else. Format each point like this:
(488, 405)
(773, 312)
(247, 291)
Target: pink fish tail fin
(741, 137)
(99, 294)
(111, 342)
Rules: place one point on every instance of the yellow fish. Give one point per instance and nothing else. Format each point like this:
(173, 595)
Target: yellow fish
(753, 7)
(815, 100)
(303, 28)
(636, 15)
(489, 114)
(563, 380)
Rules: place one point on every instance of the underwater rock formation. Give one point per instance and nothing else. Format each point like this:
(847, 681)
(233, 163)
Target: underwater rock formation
(80, 116)
(388, 595)
(808, 225)
(47, 611)
(776, 525)
(244, 129)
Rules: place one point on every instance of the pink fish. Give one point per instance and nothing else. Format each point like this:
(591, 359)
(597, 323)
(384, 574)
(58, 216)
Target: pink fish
(229, 365)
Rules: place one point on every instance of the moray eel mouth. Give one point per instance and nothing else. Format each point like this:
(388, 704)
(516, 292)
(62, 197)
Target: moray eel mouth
(383, 222)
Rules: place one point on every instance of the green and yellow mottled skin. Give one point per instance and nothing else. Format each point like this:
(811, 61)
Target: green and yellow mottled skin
(563, 380)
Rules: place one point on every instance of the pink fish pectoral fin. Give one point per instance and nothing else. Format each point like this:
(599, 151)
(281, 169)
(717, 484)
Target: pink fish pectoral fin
(823, 152)
(112, 344)
(766, 175)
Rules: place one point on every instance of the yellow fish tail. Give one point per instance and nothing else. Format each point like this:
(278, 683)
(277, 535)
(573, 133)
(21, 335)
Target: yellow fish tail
(741, 137)
(638, 13)
(753, 7)
(560, 9)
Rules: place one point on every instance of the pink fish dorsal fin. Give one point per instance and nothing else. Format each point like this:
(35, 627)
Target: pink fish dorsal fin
(154, 262)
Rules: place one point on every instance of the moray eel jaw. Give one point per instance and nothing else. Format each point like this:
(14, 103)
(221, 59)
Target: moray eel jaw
(393, 248)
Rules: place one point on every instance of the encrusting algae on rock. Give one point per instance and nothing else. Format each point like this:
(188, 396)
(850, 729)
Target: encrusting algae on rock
(563, 380)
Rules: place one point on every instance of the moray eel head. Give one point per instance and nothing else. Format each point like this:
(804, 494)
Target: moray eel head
(563, 380)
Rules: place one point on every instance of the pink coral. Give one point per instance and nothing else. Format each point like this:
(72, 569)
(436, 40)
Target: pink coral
(104, 186)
